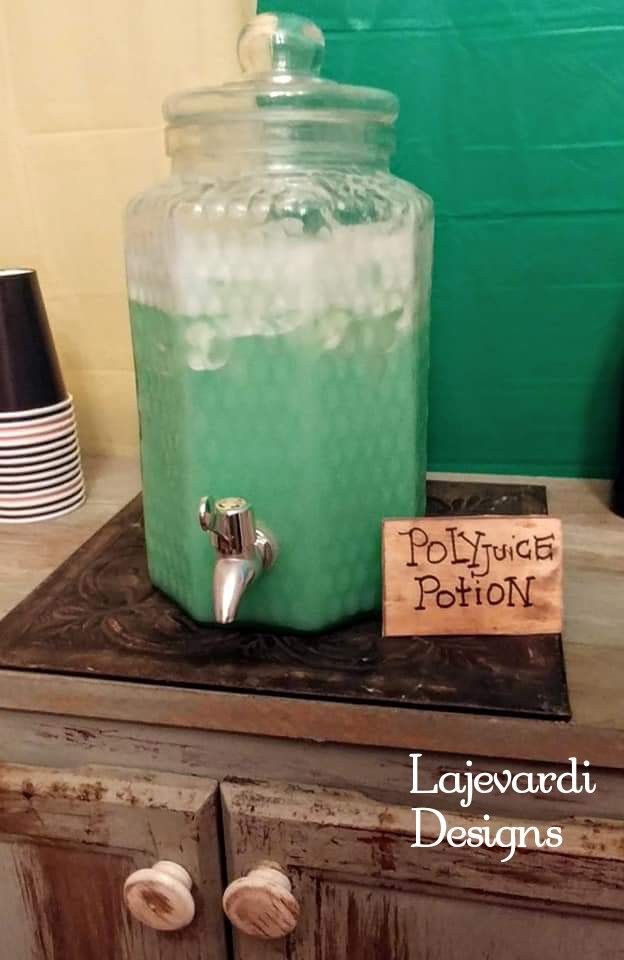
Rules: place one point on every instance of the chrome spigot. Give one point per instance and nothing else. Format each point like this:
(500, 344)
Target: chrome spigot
(243, 551)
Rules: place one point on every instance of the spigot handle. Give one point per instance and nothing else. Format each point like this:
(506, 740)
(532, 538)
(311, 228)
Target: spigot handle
(206, 515)
(231, 522)
(243, 551)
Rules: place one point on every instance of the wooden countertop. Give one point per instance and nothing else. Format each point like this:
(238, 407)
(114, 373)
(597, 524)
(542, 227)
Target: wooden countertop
(593, 641)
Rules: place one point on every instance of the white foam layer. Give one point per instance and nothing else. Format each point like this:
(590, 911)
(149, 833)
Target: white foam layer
(275, 278)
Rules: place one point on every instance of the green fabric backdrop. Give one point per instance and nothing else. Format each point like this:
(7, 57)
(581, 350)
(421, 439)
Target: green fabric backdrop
(512, 118)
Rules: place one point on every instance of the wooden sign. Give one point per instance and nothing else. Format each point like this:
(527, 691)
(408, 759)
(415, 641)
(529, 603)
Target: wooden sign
(472, 575)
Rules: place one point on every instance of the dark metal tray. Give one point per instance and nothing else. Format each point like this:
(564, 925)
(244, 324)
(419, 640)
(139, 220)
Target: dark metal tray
(99, 616)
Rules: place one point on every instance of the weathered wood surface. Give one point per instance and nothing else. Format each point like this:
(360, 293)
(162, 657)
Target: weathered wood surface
(391, 727)
(594, 605)
(69, 839)
(30, 552)
(99, 614)
(385, 775)
(364, 891)
(361, 921)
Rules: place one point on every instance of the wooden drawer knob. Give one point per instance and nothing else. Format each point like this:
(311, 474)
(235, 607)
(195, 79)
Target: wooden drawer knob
(261, 904)
(160, 896)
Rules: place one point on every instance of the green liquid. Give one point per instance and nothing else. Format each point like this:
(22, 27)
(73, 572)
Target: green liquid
(323, 441)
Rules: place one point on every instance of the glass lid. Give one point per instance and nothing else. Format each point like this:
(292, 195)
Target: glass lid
(280, 56)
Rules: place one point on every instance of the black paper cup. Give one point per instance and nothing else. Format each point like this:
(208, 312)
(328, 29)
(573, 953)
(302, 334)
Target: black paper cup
(53, 452)
(51, 510)
(20, 449)
(30, 375)
(15, 485)
(16, 503)
(14, 469)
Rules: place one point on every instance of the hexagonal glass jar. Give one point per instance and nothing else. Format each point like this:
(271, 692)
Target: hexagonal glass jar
(279, 287)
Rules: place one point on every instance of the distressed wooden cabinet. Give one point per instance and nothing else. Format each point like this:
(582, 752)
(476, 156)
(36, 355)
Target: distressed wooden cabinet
(364, 892)
(69, 839)
(99, 778)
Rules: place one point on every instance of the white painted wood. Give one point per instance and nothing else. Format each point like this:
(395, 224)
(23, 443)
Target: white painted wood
(365, 893)
(160, 896)
(17, 927)
(365, 922)
(261, 904)
(382, 774)
(69, 840)
(356, 724)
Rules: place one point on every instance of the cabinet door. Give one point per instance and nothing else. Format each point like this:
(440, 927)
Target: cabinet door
(364, 892)
(68, 841)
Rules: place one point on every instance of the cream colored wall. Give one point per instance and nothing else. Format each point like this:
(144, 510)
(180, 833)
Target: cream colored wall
(81, 85)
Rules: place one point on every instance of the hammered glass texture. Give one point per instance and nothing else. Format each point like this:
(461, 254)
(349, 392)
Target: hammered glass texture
(280, 328)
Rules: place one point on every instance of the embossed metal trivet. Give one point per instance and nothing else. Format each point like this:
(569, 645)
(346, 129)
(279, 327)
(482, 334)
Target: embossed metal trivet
(99, 616)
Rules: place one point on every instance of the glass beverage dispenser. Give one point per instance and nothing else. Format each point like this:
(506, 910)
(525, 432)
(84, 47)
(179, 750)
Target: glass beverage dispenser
(279, 286)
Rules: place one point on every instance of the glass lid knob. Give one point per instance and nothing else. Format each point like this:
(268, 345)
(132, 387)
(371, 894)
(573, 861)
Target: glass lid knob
(280, 43)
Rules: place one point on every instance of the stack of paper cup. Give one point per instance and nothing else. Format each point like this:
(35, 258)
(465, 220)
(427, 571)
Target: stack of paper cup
(40, 468)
